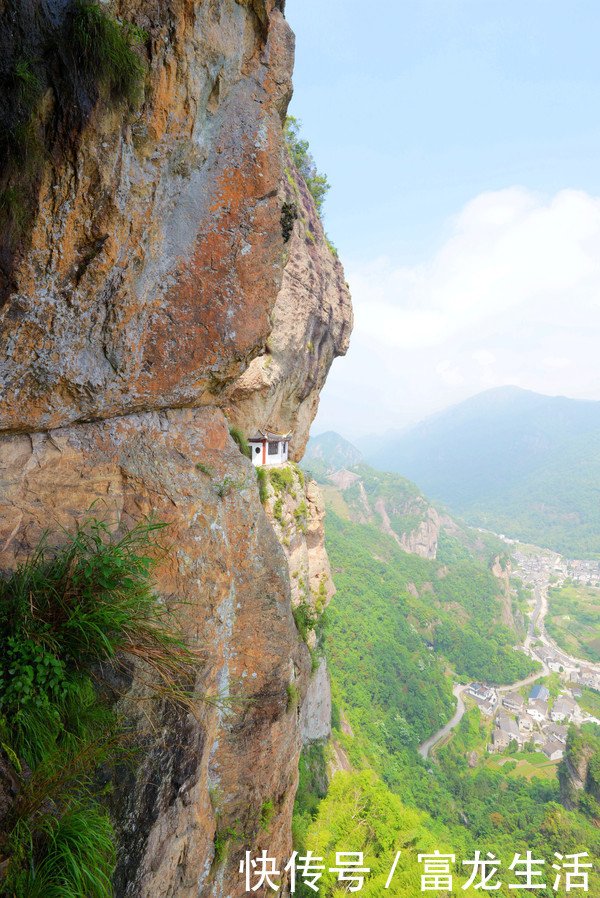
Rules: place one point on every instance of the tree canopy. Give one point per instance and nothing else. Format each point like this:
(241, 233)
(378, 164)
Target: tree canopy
(316, 181)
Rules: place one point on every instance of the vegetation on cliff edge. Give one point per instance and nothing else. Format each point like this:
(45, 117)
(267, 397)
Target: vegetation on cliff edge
(316, 181)
(70, 618)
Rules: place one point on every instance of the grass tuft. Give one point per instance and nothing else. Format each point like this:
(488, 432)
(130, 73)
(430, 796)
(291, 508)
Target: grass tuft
(263, 490)
(105, 50)
(67, 615)
(237, 435)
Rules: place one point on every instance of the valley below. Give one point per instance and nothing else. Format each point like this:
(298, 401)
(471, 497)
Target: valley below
(540, 570)
(464, 683)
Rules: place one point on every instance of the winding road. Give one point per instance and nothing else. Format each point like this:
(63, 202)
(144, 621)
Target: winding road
(538, 614)
(425, 748)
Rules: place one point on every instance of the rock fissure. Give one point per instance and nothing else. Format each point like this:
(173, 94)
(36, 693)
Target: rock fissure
(150, 311)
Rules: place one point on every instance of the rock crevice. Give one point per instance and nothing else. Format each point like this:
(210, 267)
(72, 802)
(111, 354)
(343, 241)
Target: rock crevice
(147, 317)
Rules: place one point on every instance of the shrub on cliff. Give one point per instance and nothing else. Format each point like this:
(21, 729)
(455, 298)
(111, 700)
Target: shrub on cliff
(263, 492)
(67, 616)
(104, 48)
(238, 437)
(56, 61)
(316, 181)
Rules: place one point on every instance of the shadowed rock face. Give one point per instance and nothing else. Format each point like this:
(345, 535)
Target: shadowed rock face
(156, 250)
(149, 284)
(312, 322)
(194, 777)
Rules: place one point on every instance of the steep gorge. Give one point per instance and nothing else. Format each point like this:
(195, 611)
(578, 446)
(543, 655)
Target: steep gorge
(153, 303)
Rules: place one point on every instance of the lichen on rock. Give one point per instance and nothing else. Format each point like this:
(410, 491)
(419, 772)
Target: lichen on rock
(311, 326)
(145, 304)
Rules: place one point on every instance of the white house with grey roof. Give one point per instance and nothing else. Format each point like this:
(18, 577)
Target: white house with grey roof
(562, 710)
(513, 701)
(269, 448)
(509, 727)
(556, 733)
(538, 709)
(553, 750)
(525, 723)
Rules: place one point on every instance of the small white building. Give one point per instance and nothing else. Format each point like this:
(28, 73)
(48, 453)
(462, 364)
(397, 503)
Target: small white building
(556, 733)
(269, 448)
(513, 701)
(482, 693)
(525, 723)
(538, 709)
(509, 727)
(500, 740)
(562, 710)
(553, 750)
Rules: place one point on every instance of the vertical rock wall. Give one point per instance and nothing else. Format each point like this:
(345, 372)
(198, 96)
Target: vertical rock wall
(146, 288)
(312, 322)
(296, 509)
(155, 254)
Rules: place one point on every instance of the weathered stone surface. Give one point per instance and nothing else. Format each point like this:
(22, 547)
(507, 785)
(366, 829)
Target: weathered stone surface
(296, 510)
(196, 778)
(423, 530)
(320, 580)
(312, 321)
(149, 287)
(315, 717)
(155, 258)
(423, 540)
(574, 775)
(503, 571)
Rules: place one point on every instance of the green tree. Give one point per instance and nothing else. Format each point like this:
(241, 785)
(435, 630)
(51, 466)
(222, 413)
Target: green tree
(316, 181)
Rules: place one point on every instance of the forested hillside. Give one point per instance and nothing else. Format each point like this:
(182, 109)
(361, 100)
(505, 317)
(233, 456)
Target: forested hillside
(329, 452)
(512, 461)
(399, 631)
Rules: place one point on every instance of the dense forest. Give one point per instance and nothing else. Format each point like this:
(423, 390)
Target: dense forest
(398, 632)
(418, 608)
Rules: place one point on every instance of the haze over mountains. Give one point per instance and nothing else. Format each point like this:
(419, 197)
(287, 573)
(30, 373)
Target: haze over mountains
(510, 460)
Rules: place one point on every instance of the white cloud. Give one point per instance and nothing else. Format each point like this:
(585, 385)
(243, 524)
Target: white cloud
(483, 357)
(557, 362)
(507, 250)
(512, 296)
(449, 374)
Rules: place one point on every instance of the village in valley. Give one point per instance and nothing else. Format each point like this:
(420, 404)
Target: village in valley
(534, 719)
(530, 715)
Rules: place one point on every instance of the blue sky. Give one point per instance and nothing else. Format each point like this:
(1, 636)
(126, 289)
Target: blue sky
(462, 142)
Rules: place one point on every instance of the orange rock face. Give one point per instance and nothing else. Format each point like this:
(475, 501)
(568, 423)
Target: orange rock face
(312, 322)
(150, 286)
(156, 253)
(196, 779)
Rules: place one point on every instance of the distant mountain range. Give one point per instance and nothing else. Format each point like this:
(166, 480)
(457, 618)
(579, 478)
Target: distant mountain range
(328, 453)
(510, 460)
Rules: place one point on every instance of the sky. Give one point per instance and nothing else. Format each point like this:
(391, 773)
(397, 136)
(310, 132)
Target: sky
(462, 142)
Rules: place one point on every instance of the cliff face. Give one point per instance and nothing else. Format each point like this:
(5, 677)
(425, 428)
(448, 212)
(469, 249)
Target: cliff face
(401, 512)
(150, 282)
(155, 254)
(211, 775)
(502, 570)
(579, 774)
(296, 510)
(312, 321)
